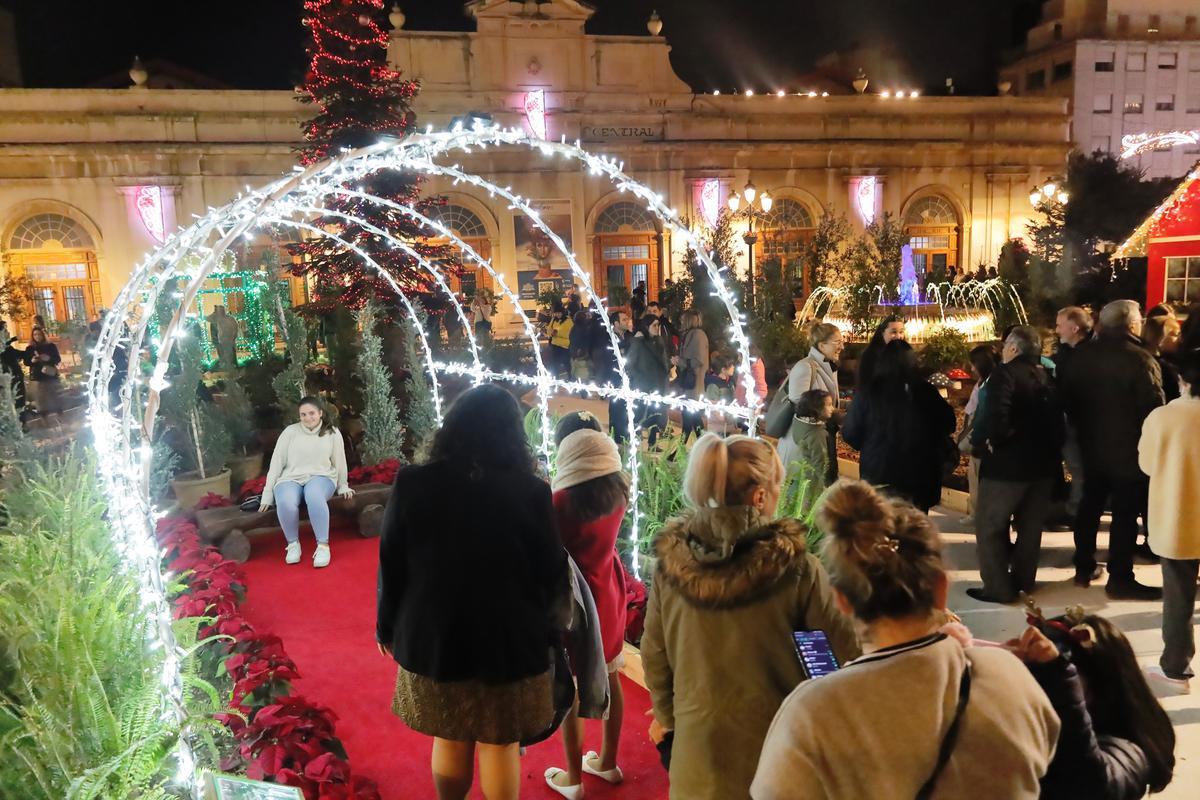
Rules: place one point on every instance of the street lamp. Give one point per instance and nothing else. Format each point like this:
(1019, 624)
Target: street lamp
(1049, 193)
(752, 212)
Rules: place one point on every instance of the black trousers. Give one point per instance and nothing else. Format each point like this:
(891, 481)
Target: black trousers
(1179, 604)
(693, 422)
(618, 420)
(1128, 498)
(1023, 505)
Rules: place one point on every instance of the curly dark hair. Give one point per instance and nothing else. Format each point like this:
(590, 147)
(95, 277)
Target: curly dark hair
(483, 432)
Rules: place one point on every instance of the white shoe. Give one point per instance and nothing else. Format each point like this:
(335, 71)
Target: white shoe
(613, 775)
(1163, 685)
(321, 557)
(570, 792)
(292, 556)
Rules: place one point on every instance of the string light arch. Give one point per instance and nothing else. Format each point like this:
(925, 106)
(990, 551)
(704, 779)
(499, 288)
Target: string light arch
(123, 433)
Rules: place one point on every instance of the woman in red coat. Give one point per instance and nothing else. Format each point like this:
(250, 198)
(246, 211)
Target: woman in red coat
(590, 496)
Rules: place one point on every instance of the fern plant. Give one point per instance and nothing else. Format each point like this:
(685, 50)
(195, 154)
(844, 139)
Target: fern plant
(82, 714)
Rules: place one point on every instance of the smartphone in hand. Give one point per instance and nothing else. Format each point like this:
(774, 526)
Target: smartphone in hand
(815, 652)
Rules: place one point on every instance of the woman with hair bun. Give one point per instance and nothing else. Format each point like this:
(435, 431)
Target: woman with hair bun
(919, 715)
(731, 586)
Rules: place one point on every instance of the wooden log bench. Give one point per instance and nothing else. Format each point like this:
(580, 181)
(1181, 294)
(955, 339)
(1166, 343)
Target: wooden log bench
(230, 529)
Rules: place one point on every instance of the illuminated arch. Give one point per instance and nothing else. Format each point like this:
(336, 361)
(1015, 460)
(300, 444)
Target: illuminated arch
(122, 434)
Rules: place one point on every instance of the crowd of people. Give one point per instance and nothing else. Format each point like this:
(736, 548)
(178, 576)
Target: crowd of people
(42, 393)
(735, 713)
(477, 619)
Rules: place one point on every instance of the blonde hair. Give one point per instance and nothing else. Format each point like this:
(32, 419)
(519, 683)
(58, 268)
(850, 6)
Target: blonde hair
(885, 556)
(690, 319)
(720, 472)
(822, 332)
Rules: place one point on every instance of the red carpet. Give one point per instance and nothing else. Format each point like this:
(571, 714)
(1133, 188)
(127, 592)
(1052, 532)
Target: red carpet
(326, 619)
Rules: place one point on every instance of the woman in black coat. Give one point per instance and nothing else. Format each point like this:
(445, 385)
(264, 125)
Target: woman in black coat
(902, 428)
(43, 360)
(472, 576)
(887, 331)
(1116, 741)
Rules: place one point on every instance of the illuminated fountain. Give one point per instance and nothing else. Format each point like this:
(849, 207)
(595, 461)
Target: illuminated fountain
(971, 307)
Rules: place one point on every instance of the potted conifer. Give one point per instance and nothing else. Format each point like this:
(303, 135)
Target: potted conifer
(199, 427)
(246, 463)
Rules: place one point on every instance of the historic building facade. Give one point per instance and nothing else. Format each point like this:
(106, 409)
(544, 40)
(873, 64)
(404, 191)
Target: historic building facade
(92, 179)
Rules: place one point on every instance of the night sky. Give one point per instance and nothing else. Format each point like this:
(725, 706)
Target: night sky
(716, 43)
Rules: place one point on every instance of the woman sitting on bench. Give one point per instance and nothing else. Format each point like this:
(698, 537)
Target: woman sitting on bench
(309, 463)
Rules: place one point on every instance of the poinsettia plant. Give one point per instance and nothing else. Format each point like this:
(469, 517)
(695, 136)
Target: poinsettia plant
(282, 737)
(383, 472)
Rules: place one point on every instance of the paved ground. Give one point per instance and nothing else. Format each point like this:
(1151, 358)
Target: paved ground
(1139, 621)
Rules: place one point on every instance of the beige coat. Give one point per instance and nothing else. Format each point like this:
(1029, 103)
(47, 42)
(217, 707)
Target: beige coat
(872, 730)
(729, 589)
(1169, 452)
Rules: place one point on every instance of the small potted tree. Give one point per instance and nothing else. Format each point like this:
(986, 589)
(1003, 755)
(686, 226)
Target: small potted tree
(200, 428)
(247, 461)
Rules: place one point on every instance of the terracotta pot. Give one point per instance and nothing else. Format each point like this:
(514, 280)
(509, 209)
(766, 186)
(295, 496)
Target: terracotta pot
(189, 487)
(244, 468)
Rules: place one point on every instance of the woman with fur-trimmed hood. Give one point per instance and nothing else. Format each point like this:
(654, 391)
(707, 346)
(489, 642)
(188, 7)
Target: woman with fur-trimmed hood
(731, 586)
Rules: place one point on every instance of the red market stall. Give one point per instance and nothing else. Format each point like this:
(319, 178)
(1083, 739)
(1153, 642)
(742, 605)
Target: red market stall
(1169, 239)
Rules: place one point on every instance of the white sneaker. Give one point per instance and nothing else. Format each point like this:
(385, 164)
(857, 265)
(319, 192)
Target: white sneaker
(292, 556)
(321, 557)
(1163, 685)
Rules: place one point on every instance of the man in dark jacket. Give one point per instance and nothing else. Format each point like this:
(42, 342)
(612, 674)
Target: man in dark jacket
(1074, 328)
(1112, 385)
(607, 373)
(1019, 436)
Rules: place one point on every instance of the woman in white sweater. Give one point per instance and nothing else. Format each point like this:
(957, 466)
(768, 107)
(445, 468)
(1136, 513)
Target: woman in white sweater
(309, 463)
(817, 370)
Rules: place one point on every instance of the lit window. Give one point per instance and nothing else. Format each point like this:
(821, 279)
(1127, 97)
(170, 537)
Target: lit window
(1102, 104)
(1183, 279)
(1168, 60)
(1155, 22)
(49, 230)
(1135, 62)
(620, 217)
(1133, 104)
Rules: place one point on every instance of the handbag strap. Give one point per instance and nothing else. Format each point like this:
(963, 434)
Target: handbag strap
(951, 737)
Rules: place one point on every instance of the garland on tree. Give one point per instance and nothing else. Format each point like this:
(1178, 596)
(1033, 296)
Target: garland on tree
(359, 100)
(383, 435)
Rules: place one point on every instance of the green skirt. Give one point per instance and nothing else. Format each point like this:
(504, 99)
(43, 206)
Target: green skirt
(471, 711)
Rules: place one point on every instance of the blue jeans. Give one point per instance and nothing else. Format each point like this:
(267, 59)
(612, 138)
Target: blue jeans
(316, 494)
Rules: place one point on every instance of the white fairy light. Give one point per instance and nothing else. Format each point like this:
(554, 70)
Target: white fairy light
(123, 433)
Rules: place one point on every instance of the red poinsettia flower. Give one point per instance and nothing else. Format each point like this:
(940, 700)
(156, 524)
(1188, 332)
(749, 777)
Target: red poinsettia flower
(252, 487)
(213, 500)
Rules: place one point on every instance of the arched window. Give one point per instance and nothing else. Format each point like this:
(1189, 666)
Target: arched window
(467, 226)
(788, 226)
(58, 256)
(932, 226)
(49, 231)
(463, 221)
(626, 251)
(624, 218)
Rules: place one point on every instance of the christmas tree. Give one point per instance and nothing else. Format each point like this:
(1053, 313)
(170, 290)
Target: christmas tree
(360, 100)
(383, 435)
(420, 417)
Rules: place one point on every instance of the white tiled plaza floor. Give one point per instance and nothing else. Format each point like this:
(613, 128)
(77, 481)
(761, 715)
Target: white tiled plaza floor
(1139, 621)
